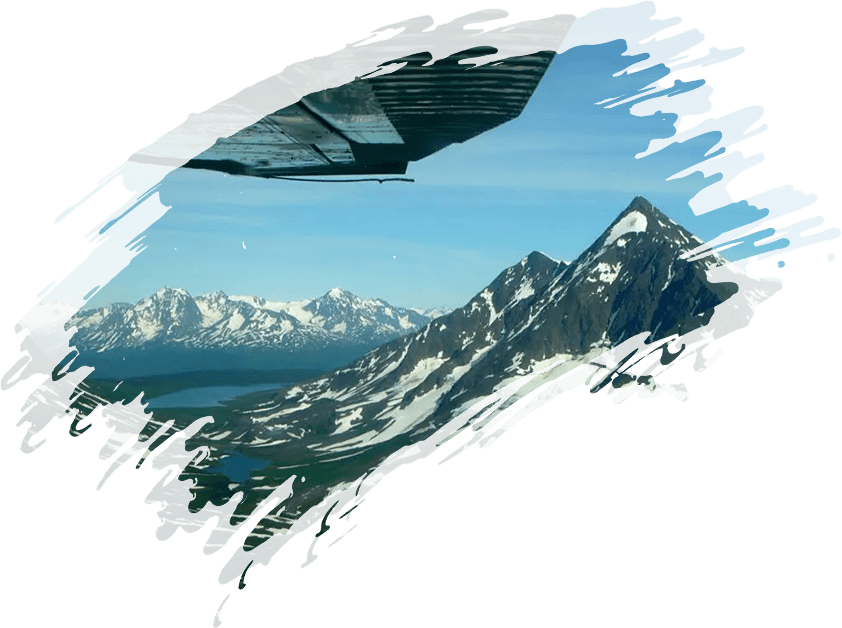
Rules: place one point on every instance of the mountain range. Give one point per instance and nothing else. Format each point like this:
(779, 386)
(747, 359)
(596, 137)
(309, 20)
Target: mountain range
(631, 279)
(634, 278)
(173, 330)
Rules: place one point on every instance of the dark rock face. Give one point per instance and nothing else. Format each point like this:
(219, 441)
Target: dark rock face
(631, 280)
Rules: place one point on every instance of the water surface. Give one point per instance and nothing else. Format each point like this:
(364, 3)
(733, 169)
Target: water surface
(207, 396)
(238, 466)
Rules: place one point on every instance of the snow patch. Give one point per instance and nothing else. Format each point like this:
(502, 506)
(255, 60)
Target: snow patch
(236, 321)
(604, 273)
(524, 290)
(347, 421)
(633, 222)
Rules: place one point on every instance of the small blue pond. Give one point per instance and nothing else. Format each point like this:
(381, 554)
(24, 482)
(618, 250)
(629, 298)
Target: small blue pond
(238, 467)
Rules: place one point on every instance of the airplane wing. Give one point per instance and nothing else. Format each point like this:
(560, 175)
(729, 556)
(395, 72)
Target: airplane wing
(371, 108)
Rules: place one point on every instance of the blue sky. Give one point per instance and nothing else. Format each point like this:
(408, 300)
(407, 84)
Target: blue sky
(551, 180)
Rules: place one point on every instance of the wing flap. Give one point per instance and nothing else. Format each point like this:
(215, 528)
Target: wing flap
(378, 125)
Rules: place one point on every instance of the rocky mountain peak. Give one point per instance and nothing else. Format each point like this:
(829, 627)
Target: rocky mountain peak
(537, 261)
(632, 279)
(168, 292)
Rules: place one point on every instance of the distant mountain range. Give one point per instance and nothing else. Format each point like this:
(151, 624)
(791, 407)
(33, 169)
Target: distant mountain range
(173, 330)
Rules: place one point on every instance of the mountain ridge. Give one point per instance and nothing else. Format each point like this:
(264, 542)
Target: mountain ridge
(631, 279)
(539, 312)
(337, 326)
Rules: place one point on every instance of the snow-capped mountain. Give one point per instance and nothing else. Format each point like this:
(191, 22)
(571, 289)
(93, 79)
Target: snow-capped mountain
(631, 279)
(644, 279)
(345, 314)
(172, 319)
